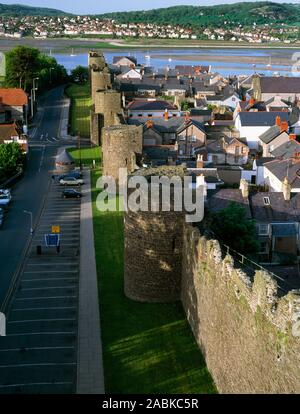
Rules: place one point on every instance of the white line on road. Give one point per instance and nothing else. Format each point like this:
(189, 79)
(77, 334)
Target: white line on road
(44, 364)
(43, 320)
(48, 297)
(39, 309)
(42, 158)
(42, 333)
(37, 348)
(42, 136)
(30, 384)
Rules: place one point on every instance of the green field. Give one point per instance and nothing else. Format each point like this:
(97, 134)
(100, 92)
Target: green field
(80, 109)
(87, 156)
(147, 348)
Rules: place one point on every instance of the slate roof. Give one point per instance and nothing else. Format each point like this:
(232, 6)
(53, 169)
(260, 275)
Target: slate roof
(279, 210)
(172, 125)
(271, 133)
(280, 84)
(222, 198)
(150, 106)
(287, 149)
(159, 152)
(200, 112)
(211, 174)
(257, 119)
(283, 168)
(263, 160)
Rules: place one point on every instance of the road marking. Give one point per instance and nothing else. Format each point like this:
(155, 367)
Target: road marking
(42, 158)
(42, 320)
(42, 333)
(47, 288)
(52, 264)
(35, 383)
(42, 136)
(52, 271)
(39, 309)
(49, 297)
(47, 135)
(41, 364)
(37, 348)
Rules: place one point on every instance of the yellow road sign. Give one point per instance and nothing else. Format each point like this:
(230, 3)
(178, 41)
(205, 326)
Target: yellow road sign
(55, 229)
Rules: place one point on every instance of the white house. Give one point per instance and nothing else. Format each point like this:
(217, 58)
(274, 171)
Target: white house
(253, 124)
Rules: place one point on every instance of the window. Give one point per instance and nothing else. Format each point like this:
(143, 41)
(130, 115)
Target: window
(266, 201)
(263, 229)
(140, 115)
(263, 248)
(149, 115)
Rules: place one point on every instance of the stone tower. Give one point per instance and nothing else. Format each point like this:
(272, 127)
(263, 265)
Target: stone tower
(121, 146)
(153, 248)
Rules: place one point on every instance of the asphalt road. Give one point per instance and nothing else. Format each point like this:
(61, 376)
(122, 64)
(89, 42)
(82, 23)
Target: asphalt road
(29, 192)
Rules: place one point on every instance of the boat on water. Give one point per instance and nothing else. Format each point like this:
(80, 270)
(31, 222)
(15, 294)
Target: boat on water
(72, 54)
(170, 60)
(269, 65)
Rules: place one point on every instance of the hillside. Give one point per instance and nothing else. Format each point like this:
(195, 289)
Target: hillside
(229, 14)
(20, 10)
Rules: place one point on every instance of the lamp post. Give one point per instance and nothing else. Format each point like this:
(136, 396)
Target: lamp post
(33, 96)
(31, 220)
(51, 69)
(79, 148)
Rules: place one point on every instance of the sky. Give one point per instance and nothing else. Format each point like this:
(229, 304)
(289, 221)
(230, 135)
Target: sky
(101, 6)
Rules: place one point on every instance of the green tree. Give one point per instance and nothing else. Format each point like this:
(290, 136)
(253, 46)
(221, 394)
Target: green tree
(234, 229)
(80, 74)
(11, 157)
(23, 64)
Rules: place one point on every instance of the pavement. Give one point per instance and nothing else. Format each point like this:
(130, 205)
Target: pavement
(90, 378)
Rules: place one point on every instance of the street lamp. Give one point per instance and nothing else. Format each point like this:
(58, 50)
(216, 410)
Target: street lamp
(33, 96)
(51, 69)
(31, 221)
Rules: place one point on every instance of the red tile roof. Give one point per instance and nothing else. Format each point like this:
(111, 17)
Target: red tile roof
(13, 97)
(7, 131)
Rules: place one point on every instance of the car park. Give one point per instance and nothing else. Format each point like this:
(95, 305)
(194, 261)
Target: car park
(71, 193)
(75, 173)
(71, 181)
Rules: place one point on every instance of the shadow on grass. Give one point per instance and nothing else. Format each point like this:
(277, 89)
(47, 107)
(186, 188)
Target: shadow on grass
(147, 348)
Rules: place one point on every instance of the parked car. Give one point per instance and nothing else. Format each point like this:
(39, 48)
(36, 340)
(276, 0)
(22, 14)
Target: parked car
(71, 181)
(5, 197)
(71, 193)
(2, 213)
(76, 174)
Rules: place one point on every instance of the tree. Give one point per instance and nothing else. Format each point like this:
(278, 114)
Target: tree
(234, 229)
(80, 74)
(23, 64)
(11, 157)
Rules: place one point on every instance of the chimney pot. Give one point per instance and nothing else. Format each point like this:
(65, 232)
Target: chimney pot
(244, 187)
(293, 137)
(278, 121)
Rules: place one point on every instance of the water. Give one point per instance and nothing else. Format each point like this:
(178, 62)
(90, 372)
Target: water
(161, 58)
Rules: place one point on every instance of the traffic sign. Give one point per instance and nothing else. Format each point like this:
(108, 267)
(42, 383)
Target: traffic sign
(55, 229)
(52, 240)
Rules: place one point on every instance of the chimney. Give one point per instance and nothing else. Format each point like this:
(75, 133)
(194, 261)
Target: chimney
(166, 114)
(200, 163)
(278, 121)
(284, 126)
(149, 124)
(187, 117)
(293, 137)
(153, 75)
(200, 181)
(286, 189)
(244, 187)
(251, 101)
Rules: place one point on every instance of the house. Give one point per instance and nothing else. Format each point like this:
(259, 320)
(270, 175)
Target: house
(13, 133)
(124, 61)
(222, 198)
(14, 102)
(190, 136)
(277, 170)
(274, 137)
(130, 74)
(231, 100)
(252, 125)
(266, 87)
(259, 171)
(277, 215)
(226, 150)
(191, 70)
(152, 108)
(288, 149)
(208, 177)
(276, 103)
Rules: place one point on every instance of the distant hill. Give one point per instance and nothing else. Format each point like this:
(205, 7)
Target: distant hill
(231, 14)
(20, 10)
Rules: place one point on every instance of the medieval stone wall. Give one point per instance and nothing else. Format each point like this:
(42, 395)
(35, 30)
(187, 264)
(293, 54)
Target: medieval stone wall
(244, 329)
(120, 144)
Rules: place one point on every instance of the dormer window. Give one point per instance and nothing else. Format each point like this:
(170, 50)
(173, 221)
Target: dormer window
(267, 201)
(263, 229)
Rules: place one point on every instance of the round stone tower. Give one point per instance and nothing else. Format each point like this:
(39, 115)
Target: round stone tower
(153, 247)
(108, 104)
(121, 144)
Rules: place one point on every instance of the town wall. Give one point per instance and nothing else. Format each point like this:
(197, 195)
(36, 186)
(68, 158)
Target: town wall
(243, 328)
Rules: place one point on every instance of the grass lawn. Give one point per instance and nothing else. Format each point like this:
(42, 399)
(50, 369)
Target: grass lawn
(87, 156)
(80, 108)
(147, 348)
